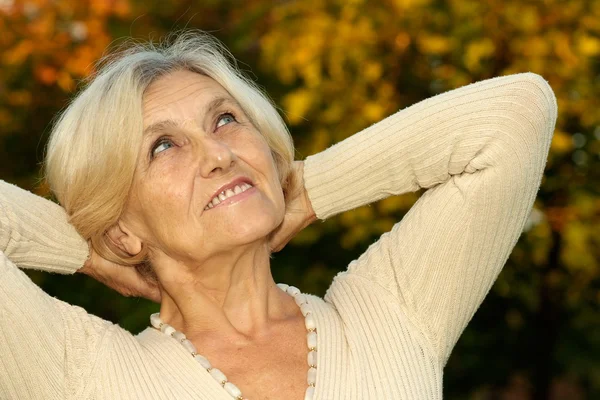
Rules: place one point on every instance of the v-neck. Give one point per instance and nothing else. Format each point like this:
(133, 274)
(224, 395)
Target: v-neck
(206, 386)
(189, 370)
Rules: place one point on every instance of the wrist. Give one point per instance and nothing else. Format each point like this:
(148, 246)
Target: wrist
(311, 216)
(87, 264)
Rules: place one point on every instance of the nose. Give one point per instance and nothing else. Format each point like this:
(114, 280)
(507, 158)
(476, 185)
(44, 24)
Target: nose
(216, 157)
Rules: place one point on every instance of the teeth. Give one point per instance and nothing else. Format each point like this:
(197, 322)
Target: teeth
(226, 194)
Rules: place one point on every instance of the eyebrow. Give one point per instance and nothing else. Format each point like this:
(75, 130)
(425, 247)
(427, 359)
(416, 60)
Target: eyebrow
(167, 124)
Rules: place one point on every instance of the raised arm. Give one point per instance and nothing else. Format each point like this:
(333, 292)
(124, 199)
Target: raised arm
(46, 345)
(35, 233)
(480, 151)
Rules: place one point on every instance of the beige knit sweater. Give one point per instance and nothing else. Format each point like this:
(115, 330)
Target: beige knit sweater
(387, 324)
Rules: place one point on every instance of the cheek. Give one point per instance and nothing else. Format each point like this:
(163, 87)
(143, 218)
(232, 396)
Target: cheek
(279, 198)
(274, 181)
(255, 152)
(163, 199)
(170, 178)
(264, 157)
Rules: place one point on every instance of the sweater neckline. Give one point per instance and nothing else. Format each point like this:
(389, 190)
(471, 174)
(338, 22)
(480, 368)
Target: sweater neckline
(191, 373)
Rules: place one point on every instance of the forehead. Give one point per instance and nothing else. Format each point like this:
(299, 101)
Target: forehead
(179, 96)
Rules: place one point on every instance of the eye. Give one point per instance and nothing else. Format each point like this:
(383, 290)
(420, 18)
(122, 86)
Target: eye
(161, 145)
(225, 119)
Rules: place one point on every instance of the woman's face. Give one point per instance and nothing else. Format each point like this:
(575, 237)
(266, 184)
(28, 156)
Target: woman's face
(197, 142)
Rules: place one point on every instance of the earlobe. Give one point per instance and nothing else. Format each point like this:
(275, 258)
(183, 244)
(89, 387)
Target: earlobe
(123, 239)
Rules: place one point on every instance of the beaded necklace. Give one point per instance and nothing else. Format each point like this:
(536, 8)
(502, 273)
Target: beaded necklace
(234, 391)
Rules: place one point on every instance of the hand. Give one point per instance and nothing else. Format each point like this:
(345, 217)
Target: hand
(122, 278)
(299, 214)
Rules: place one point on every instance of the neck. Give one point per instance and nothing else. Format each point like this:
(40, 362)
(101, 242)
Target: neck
(230, 296)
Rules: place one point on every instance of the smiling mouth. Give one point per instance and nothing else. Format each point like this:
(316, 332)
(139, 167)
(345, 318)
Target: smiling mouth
(228, 193)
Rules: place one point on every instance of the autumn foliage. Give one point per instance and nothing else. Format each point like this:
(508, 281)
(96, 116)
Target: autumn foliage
(335, 67)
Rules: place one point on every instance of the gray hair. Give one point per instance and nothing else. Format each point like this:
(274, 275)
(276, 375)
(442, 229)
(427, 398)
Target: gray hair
(93, 147)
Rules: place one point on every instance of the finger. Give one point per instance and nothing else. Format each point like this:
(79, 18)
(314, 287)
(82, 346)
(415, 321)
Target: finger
(128, 282)
(147, 290)
(279, 242)
(276, 241)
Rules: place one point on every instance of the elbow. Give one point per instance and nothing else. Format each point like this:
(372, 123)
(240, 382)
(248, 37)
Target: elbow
(542, 97)
(536, 104)
(527, 110)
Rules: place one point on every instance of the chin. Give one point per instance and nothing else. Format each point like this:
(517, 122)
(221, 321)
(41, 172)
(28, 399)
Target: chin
(251, 229)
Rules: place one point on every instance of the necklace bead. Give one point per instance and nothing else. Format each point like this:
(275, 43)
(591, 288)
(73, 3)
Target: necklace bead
(311, 341)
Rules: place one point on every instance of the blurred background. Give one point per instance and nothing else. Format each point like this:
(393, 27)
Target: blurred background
(334, 68)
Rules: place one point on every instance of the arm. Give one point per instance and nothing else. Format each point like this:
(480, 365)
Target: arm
(46, 346)
(35, 233)
(480, 152)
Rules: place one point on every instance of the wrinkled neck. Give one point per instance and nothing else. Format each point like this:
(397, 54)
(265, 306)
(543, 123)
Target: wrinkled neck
(232, 295)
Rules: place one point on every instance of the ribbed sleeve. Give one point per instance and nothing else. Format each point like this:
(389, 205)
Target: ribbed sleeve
(35, 233)
(480, 152)
(47, 347)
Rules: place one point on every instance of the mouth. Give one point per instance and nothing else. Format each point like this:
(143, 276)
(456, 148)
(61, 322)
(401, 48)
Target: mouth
(230, 191)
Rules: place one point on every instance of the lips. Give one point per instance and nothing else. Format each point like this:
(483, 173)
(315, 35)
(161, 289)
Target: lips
(240, 181)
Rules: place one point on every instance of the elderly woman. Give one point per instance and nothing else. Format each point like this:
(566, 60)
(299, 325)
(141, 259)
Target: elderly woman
(179, 173)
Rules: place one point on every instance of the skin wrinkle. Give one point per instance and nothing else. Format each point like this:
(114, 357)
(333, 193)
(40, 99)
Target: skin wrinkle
(166, 125)
(213, 266)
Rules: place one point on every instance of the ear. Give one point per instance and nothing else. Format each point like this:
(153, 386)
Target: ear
(124, 239)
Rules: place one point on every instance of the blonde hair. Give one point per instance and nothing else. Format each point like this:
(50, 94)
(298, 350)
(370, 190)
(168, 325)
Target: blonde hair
(93, 147)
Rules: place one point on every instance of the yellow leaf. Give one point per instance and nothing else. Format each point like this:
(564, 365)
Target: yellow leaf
(588, 45)
(578, 254)
(536, 47)
(333, 113)
(372, 71)
(562, 47)
(434, 44)
(311, 73)
(373, 111)
(406, 4)
(384, 225)
(391, 204)
(529, 20)
(355, 235)
(364, 213)
(561, 142)
(297, 105)
(476, 51)
(319, 142)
